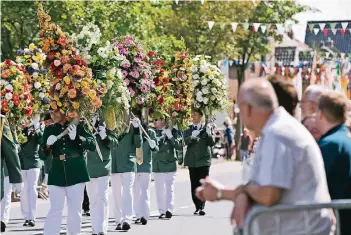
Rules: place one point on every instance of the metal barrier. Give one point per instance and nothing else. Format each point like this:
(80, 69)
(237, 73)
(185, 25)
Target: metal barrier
(260, 210)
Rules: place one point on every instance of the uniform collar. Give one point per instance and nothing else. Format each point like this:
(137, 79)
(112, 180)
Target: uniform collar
(198, 126)
(340, 127)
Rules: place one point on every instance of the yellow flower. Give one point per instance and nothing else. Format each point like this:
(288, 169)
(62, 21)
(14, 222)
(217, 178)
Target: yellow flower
(67, 80)
(32, 47)
(59, 103)
(57, 54)
(92, 94)
(56, 98)
(13, 70)
(35, 107)
(69, 52)
(64, 52)
(26, 56)
(84, 84)
(61, 110)
(18, 59)
(16, 84)
(75, 105)
(212, 97)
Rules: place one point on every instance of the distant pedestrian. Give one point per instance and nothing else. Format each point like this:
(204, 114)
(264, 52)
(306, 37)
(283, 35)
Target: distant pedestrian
(310, 98)
(245, 144)
(229, 135)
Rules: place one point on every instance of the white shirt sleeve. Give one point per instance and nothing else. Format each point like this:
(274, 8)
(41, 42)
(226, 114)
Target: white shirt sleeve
(276, 164)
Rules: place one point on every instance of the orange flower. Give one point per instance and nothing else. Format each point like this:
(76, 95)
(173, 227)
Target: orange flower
(66, 67)
(65, 59)
(79, 73)
(72, 93)
(103, 90)
(53, 105)
(86, 90)
(73, 115)
(96, 102)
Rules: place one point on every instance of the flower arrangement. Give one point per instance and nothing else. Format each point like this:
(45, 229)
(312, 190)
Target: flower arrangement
(16, 100)
(72, 89)
(182, 89)
(33, 58)
(136, 70)
(163, 99)
(105, 61)
(210, 93)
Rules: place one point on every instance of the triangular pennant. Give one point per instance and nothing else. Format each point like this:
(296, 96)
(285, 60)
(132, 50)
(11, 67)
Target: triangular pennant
(327, 54)
(176, 1)
(334, 31)
(245, 25)
(350, 30)
(255, 26)
(344, 25)
(280, 28)
(316, 30)
(342, 31)
(271, 27)
(210, 24)
(289, 27)
(325, 32)
(322, 25)
(263, 28)
(222, 25)
(332, 25)
(234, 26)
(289, 51)
(311, 26)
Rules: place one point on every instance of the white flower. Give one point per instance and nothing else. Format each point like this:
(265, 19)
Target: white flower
(199, 98)
(205, 100)
(199, 93)
(204, 82)
(204, 68)
(213, 90)
(37, 85)
(193, 69)
(211, 77)
(109, 84)
(41, 95)
(18, 59)
(196, 76)
(119, 73)
(205, 90)
(35, 75)
(35, 66)
(119, 100)
(26, 50)
(9, 87)
(197, 105)
(8, 96)
(80, 36)
(56, 63)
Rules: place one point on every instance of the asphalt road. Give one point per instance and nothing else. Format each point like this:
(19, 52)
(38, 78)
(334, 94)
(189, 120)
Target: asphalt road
(216, 220)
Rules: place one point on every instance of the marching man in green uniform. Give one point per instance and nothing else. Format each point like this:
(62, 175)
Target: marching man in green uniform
(141, 197)
(164, 166)
(6, 200)
(30, 164)
(123, 174)
(68, 172)
(199, 139)
(9, 155)
(99, 171)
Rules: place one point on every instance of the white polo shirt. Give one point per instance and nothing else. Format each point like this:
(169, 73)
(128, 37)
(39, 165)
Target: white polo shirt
(289, 158)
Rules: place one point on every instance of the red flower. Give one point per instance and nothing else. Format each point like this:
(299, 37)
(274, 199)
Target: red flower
(165, 80)
(151, 111)
(21, 67)
(157, 81)
(8, 62)
(161, 100)
(52, 67)
(59, 73)
(15, 96)
(16, 102)
(51, 55)
(26, 96)
(4, 103)
(152, 54)
(62, 41)
(28, 111)
(161, 63)
(65, 59)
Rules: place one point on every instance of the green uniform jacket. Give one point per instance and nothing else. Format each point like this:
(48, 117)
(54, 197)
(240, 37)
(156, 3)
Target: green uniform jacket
(96, 167)
(147, 153)
(9, 156)
(73, 169)
(47, 164)
(198, 151)
(165, 160)
(124, 156)
(336, 150)
(29, 156)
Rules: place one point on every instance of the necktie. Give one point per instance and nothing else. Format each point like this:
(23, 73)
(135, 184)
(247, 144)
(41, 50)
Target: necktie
(195, 127)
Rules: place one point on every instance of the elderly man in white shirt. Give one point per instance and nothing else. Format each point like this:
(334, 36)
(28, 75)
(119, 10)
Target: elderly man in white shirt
(288, 167)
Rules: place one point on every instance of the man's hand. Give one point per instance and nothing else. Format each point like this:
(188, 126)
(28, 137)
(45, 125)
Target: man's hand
(208, 130)
(72, 132)
(208, 190)
(152, 143)
(136, 122)
(168, 133)
(102, 132)
(241, 208)
(51, 140)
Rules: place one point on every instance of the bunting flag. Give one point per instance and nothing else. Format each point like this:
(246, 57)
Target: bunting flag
(280, 28)
(334, 31)
(332, 25)
(342, 31)
(210, 24)
(222, 25)
(311, 26)
(344, 25)
(234, 26)
(176, 1)
(322, 25)
(316, 30)
(327, 54)
(202, 2)
(255, 26)
(325, 32)
(264, 27)
(245, 25)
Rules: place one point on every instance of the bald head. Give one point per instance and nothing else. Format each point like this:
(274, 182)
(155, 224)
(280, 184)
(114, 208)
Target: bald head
(259, 94)
(314, 92)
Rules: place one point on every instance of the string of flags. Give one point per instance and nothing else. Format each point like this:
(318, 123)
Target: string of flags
(312, 27)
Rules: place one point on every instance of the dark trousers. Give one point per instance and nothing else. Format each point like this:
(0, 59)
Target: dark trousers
(196, 174)
(85, 204)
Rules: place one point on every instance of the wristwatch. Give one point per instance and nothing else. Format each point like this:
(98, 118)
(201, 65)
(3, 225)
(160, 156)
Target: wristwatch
(219, 194)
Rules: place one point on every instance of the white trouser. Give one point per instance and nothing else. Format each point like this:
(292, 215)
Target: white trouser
(122, 191)
(142, 195)
(6, 201)
(97, 190)
(45, 181)
(29, 193)
(164, 185)
(75, 195)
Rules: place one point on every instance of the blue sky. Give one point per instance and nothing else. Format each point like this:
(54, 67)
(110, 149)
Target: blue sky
(329, 10)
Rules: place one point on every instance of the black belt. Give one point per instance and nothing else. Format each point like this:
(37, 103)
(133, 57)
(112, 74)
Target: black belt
(63, 157)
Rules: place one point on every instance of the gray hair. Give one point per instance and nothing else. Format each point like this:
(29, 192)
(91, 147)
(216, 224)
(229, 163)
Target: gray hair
(314, 92)
(259, 94)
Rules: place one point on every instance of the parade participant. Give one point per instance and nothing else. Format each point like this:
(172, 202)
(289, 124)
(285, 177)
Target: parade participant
(164, 167)
(123, 174)
(9, 155)
(199, 139)
(47, 163)
(68, 172)
(99, 171)
(6, 201)
(141, 197)
(30, 164)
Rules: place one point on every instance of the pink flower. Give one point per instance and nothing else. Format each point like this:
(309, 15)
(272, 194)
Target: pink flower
(127, 82)
(123, 51)
(126, 65)
(131, 92)
(137, 59)
(124, 73)
(146, 75)
(140, 100)
(144, 88)
(135, 74)
(174, 114)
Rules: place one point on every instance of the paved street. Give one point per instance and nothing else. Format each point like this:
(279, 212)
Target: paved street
(184, 222)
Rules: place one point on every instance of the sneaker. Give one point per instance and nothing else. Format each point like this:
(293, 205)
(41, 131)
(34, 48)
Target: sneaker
(86, 213)
(137, 221)
(3, 227)
(125, 226)
(196, 212)
(143, 221)
(31, 223)
(202, 213)
(26, 223)
(119, 226)
(169, 214)
(162, 216)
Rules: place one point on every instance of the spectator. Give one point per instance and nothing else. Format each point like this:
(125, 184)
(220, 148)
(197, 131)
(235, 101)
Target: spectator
(229, 135)
(288, 167)
(335, 145)
(310, 99)
(245, 144)
(310, 123)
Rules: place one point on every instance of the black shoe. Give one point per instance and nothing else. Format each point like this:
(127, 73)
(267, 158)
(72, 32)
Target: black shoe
(202, 213)
(169, 214)
(143, 221)
(196, 212)
(137, 221)
(162, 216)
(86, 213)
(101, 233)
(26, 223)
(119, 226)
(3, 227)
(31, 223)
(125, 226)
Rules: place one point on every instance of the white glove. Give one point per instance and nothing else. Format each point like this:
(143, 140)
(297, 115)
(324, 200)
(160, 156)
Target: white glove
(168, 133)
(93, 121)
(51, 140)
(102, 132)
(152, 143)
(72, 132)
(195, 133)
(136, 122)
(208, 130)
(17, 187)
